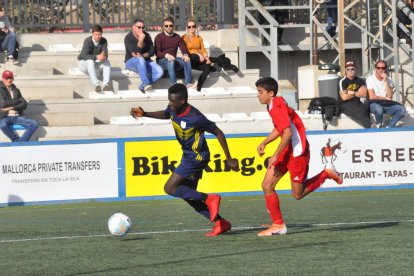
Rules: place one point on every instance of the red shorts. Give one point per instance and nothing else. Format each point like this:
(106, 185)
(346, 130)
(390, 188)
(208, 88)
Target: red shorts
(297, 166)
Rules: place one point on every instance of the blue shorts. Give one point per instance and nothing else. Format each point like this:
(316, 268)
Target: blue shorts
(191, 169)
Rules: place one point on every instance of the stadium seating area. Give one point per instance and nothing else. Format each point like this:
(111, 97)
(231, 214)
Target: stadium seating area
(62, 100)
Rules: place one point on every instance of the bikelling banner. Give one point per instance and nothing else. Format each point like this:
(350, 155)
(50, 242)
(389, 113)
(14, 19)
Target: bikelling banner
(362, 158)
(148, 165)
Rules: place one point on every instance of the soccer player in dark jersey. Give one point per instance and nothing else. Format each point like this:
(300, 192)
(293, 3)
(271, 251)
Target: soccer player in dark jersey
(291, 155)
(189, 126)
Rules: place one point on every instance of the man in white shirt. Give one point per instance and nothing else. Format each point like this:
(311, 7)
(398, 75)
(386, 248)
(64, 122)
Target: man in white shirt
(380, 91)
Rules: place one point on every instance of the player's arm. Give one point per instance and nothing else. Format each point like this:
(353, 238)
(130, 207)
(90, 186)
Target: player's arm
(137, 112)
(231, 162)
(270, 138)
(285, 139)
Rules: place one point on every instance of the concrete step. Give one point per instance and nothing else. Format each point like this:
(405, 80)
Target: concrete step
(104, 109)
(63, 118)
(121, 81)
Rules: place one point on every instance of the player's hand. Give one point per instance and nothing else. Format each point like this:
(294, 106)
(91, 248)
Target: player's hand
(186, 58)
(137, 112)
(260, 149)
(233, 164)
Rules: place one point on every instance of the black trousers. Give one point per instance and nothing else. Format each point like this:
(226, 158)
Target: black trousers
(358, 112)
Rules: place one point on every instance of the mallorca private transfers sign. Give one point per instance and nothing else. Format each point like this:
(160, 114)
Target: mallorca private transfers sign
(58, 172)
(365, 158)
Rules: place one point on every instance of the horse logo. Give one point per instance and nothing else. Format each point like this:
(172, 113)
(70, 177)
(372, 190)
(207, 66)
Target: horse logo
(328, 152)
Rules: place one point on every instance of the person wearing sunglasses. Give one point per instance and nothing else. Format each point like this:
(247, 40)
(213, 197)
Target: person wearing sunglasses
(199, 57)
(12, 105)
(139, 49)
(352, 90)
(380, 92)
(166, 47)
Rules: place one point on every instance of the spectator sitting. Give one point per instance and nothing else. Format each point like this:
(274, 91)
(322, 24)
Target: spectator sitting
(166, 46)
(12, 105)
(94, 57)
(352, 89)
(8, 38)
(139, 49)
(380, 91)
(199, 57)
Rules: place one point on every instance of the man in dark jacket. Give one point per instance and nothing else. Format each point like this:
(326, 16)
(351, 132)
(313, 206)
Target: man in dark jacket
(139, 49)
(12, 105)
(94, 57)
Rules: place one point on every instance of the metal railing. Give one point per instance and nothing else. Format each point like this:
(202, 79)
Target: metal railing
(52, 15)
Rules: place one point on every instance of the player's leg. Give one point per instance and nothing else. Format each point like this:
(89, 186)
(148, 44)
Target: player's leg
(298, 168)
(272, 177)
(199, 206)
(220, 224)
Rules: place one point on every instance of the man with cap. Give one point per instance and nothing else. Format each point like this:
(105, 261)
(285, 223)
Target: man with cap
(351, 90)
(12, 105)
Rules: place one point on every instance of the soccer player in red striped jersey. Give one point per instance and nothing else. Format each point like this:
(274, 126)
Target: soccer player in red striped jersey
(292, 155)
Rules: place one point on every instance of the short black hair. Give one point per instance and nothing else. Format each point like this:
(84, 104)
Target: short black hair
(268, 83)
(179, 89)
(169, 19)
(136, 20)
(97, 28)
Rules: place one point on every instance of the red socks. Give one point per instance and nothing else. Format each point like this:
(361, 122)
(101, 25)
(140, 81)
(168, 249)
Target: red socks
(272, 205)
(315, 182)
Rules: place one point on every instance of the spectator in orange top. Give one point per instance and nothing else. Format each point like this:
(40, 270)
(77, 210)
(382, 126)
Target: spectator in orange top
(199, 57)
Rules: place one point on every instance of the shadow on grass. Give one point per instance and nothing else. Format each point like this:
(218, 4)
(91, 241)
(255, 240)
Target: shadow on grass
(304, 228)
(207, 257)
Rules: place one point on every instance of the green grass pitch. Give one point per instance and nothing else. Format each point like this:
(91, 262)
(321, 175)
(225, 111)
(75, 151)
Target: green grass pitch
(329, 233)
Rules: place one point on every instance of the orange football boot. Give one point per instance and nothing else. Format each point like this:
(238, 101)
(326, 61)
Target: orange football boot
(274, 229)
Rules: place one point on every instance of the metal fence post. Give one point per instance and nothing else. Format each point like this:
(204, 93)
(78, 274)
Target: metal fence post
(85, 16)
(183, 15)
(225, 14)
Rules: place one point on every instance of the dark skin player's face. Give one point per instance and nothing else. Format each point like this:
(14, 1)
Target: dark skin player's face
(176, 103)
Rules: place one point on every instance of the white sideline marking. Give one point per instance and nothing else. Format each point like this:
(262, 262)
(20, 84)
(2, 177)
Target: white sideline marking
(205, 230)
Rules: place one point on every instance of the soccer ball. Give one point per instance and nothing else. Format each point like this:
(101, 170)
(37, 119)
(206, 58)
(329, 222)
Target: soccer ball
(119, 224)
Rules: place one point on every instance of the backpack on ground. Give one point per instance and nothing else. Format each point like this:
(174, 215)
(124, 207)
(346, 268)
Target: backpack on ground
(328, 107)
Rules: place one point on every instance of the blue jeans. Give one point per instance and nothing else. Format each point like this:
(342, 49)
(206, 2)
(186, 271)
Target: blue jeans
(9, 43)
(148, 70)
(395, 111)
(169, 65)
(6, 124)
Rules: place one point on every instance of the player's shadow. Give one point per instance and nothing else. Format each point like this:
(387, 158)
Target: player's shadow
(133, 238)
(365, 226)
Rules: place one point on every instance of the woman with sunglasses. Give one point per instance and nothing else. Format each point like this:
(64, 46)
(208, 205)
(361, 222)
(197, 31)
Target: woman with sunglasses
(199, 57)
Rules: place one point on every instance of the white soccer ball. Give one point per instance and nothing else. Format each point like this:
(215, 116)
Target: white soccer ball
(119, 224)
